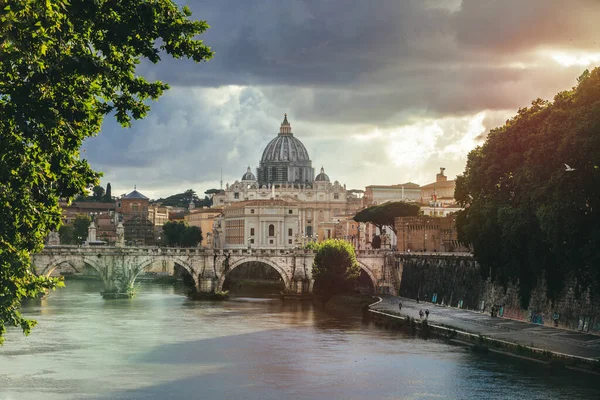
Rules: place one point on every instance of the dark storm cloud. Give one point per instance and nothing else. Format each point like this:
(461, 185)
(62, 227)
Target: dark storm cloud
(391, 54)
(341, 67)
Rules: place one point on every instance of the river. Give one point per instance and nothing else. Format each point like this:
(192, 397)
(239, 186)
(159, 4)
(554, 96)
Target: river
(160, 345)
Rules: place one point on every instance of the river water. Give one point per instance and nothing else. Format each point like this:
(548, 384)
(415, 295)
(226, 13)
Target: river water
(162, 346)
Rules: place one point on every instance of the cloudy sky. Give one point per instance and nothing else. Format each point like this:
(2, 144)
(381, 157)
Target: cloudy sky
(379, 92)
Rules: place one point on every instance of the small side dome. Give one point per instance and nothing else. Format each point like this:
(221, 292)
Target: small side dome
(248, 176)
(322, 177)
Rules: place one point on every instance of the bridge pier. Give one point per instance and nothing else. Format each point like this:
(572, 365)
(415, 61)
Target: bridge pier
(207, 285)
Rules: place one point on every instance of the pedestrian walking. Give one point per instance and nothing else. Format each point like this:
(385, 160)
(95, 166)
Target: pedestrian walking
(426, 313)
(420, 314)
(399, 305)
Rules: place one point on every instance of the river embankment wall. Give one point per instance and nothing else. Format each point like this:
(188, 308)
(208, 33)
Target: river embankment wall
(458, 283)
(480, 342)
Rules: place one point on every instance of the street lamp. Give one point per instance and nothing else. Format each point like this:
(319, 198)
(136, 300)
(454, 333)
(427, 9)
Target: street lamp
(249, 243)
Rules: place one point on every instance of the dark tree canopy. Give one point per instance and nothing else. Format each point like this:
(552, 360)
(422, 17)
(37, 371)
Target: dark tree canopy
(98, 193)
(180, 199)
(65, 65)
(532, 193)
(384, 215)
(335, 268)
(178, 234)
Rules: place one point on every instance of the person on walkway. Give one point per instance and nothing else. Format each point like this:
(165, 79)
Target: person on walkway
(399, 305)
(427, 313)
(420, 314)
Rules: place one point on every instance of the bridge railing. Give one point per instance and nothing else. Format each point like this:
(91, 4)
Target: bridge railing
(433, 254)
(68, 249)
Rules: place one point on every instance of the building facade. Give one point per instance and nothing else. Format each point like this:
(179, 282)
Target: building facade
(428, 234)
(272, 223)
(204, 218)
(441, 191)
(379, 194)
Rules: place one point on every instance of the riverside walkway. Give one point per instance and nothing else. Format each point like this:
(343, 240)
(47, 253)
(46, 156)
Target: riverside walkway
(543, 337)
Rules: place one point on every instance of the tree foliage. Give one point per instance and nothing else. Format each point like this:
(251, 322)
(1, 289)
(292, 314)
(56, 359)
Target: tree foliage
(335, 268)
(180, 199)
(98, 193)
(384, 215)
(528, 216)
(180, 235)
(66, 234)
(65, 65)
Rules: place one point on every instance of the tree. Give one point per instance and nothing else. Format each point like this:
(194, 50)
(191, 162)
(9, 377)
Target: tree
(376, 242)
(98, 192)
(180, 199)
(108, 196)
(532, 194)
(335, 268)
(192, 235)
(179, 234)
(66, 234)
(80, 228)
(64, 66)
(384, 215)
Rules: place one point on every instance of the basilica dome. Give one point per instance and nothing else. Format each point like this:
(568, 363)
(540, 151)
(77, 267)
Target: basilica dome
(285, 160)
(285, 147)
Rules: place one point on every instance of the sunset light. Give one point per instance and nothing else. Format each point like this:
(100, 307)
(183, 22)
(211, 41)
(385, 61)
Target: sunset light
(576, 59)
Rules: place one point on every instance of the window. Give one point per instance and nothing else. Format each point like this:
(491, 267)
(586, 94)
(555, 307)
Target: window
(289, 231)
(336, 196)
(289, 241)
(271, 241)
(290, 211)
(236, 195)
(251, 231)
(252, 211)
(271, 230)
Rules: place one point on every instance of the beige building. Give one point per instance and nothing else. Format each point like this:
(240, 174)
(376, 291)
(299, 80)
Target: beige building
(379, 194)
(440, 192)
(272, 223)
(204, 218)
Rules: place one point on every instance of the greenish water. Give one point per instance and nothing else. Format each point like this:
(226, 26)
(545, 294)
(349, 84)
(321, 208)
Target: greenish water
(162, 346)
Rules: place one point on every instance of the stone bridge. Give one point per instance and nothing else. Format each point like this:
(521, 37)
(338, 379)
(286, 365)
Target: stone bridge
(120, 266)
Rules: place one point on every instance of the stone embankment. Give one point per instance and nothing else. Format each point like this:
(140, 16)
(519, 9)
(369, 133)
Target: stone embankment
(557, 347)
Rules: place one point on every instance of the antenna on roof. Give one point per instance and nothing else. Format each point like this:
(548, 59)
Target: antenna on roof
(221, 178)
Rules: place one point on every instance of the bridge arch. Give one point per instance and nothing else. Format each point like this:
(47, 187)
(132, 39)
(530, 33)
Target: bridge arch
(89, 261)
(177, 260)
(369, 273)
(51, 266)
(264, 260)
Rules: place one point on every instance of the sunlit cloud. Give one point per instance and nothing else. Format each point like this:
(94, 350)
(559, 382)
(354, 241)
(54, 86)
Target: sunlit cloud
(576, 59)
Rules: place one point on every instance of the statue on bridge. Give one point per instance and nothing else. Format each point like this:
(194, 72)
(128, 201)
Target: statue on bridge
(54, 239)
(120, 235)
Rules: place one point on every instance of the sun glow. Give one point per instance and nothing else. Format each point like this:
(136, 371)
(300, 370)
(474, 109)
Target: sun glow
(575, 59)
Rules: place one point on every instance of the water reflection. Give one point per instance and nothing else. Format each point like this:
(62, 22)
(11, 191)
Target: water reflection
(161, 345)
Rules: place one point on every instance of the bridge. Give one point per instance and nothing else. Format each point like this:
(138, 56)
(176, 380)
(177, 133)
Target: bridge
(120, 266)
